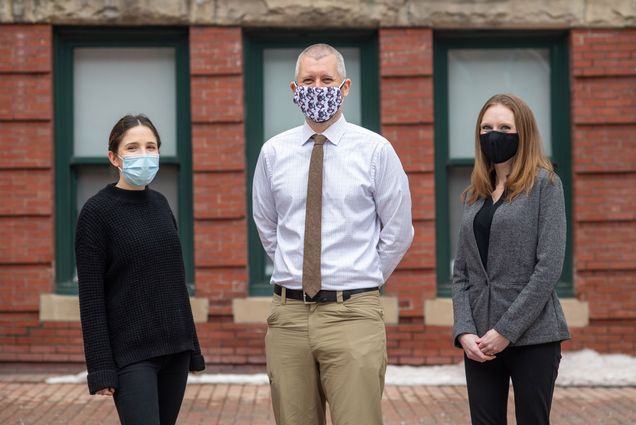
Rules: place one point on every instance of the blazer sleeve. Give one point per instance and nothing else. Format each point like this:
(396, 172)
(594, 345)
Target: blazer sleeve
(549, 263)
(462, 314)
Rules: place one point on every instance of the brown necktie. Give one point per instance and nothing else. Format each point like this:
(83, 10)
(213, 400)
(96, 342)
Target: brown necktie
(313, 220)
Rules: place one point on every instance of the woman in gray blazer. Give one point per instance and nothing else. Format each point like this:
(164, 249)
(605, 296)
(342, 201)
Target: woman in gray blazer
(507, 316)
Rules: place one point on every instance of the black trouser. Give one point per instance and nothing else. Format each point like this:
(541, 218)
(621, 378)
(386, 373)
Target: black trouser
(150, 392)
(533, 370)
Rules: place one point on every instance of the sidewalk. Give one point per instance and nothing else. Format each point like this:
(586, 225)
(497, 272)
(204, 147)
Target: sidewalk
(26, 400)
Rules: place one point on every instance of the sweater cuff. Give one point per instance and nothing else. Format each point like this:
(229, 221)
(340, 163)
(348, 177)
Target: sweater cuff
(197, 362)
(102, 379)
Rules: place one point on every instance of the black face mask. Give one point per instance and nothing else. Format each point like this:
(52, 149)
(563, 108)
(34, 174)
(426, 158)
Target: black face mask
(499, 147)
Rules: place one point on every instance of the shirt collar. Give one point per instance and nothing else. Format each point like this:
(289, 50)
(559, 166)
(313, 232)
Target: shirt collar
(333, 133)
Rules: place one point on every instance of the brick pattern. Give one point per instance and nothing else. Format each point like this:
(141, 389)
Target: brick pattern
(26, 197)
(604, 164)
(26, 179)
(220, 286)
(26, 283)
(612, 293)
(605, 336)
(232, 343)
(603, 53)
(406, 95)
(24, 398)
(24, 338)
(218, 144)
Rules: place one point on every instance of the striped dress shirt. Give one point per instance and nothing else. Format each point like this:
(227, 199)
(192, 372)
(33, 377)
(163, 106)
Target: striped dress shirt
(366, 206)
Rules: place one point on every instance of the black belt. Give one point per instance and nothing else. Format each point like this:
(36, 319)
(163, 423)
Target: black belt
(322, 296)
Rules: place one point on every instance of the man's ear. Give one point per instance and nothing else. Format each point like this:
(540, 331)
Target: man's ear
(345, 87)
(293, 86)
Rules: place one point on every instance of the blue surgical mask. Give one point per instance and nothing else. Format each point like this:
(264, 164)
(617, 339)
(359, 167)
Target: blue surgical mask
(139, 170)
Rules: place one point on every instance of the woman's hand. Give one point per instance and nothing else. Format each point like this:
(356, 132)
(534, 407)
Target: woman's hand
(469, 343)
(106, 391)
(492, 343)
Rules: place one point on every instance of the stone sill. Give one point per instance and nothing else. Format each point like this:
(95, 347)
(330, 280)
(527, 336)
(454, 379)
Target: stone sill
(65, 308)
(439, 312)
(256, 309)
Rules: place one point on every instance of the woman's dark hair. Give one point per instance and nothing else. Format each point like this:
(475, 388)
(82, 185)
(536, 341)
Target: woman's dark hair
(126, 123)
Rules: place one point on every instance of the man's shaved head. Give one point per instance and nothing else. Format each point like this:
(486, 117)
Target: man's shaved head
(318, 51)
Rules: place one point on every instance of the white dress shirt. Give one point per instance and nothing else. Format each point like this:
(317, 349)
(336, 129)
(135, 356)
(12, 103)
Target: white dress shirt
(366, 206)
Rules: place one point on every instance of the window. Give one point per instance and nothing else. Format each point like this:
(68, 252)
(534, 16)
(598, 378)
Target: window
(101, 75)
(270, 61)
(469, 68)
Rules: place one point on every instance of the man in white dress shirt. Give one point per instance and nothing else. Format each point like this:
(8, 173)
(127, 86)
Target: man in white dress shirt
(335, 234)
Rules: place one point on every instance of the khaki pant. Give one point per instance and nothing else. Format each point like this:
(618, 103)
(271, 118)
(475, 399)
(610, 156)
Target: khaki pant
(332, 352)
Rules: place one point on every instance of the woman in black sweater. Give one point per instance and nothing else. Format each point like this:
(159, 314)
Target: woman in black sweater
(139, 335)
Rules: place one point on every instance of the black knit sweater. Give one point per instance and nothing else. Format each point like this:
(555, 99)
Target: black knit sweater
(134, 303)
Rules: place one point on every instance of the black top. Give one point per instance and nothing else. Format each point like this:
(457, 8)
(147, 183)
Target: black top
(481, 227)
(134, 302)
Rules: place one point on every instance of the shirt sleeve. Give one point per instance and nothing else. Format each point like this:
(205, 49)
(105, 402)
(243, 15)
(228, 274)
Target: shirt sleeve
(393, 206)
(547, 270)
(90, 254)
(263, 206)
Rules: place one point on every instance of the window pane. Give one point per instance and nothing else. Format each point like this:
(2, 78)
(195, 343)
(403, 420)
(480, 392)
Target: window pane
(279, 112)
(458, 180)
(92, 178)
(477, 74)
(112, 82)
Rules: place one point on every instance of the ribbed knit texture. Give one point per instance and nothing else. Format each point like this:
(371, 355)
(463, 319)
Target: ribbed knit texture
(134, 303)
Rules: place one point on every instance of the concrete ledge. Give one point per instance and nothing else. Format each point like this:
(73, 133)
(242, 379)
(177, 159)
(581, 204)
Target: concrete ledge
(256, 309)
(59, 308)
(439, 312)
(65, 308)
(577, 313)
(200, 308)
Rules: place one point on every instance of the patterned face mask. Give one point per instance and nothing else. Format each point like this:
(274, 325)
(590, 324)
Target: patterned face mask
(319, 104)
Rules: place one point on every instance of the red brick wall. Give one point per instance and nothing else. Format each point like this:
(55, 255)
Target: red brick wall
(406, 87)
(406, 93)
(218, 143)
(604, 166)
(26, 199)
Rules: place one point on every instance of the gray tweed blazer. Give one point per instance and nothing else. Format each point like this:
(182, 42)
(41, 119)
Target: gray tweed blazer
(517, 296)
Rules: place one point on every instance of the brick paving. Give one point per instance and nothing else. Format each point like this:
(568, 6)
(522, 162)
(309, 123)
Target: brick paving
(26, 400)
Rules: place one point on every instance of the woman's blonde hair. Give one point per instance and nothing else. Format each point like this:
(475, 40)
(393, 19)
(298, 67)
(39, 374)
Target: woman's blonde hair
(526, 163)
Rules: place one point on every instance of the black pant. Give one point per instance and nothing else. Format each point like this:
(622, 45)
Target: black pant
(150, 392)
(533, 370)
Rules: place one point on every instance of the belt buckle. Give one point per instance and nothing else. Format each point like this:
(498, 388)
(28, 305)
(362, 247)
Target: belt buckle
(307, 302)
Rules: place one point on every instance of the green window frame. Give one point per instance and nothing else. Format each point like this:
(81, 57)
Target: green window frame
(557, 44)
(65, 41)
(254, 42)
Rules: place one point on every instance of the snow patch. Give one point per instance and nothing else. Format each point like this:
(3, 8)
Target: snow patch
(578, 368)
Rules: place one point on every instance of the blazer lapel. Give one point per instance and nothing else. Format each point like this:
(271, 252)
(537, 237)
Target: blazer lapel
(472, 212)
